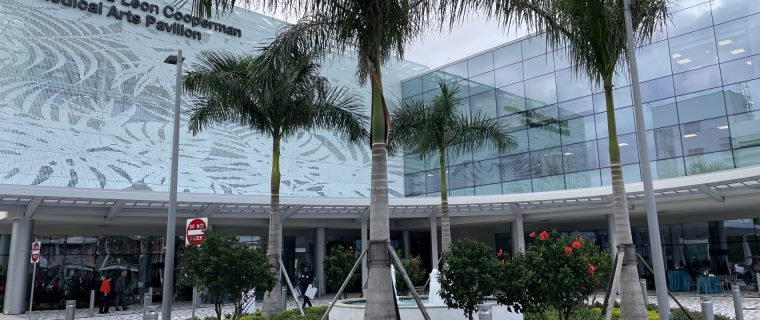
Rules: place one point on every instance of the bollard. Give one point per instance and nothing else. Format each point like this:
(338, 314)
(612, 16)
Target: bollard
(643, 283)
(92, 303)
(484, 312)
(284, 298)
(737, 302)
(151, 313)
(71, 308)
(757, 281)
(707, 308)
(147, 301)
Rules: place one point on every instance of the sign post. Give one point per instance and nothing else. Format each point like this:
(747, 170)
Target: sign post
(35, 258)
(195, 233)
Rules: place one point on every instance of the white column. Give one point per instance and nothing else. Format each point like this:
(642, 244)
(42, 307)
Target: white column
(365, 246)
(320, 259)
(612, 235)
(5, 247)
(407, 245)
(518, 234)
(433, 242)
(17, 285)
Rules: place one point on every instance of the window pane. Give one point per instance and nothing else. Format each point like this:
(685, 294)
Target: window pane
(541, 91)
(507, 55)
(561, 59)
(542, 116)
(739, 96)
(745, 129)
(668, 168)
(694, 18)
(414, 184)
(624, 122)
(544, 137)
(580, 157)
(631, 174)
(725, 10)
(546, 162)
(432, 161)
(510, 99)
(621, 97)
(710, 162)
(431, 81)
(578, 130)
(549, 183)
(480, 64)
(456, 72)
(517, 121)
(664, 143)
(576, 108)
(517, 187)
(411, 87)
(481, 83)
(697, 80)
(701, 105)
(484, 105)
(460, 176)
(453, 158)
(537, 66)
(412, 163)
(572, 85)
(488, 151)
(534, 46)
(657, 89)
(653, 61)
(747, 157)
(741, 70)
(738, 39)
(628, 150)
(488, 189)
(488, 171)
(586, 179)
(515, 167)
(694, 50)
(705, 136)
(508, 75)
(462, 192)
(661, 113)
(433, 180)
(521, 138)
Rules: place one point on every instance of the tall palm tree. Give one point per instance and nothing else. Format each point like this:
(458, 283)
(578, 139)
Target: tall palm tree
(595, 35)
(440, 128)
(276, 98)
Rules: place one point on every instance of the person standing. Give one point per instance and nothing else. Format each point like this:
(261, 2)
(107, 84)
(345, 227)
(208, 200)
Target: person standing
(304, 280)
(119, 289)
(105, 291)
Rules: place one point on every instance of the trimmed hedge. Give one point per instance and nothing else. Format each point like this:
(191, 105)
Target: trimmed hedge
(311, 313)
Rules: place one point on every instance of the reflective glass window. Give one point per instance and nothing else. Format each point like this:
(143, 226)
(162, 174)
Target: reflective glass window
(621, 97)
(701, 105)
(487, 171)
(561, 60)
(576, 108)
(411, 87)
(624, 122)
(705, 136)
(488, 189)
(549, 183)
(693, 50)
(725, 10)
(432, 161)
(667, 168)
(631, 174)
(541, 91)
(737, 39)
(484, 104)
(510, 99)
(542, 116)
(739, 96)
(456, 72)
(664, 143)
(433, 180)
(709, 162)
(513, 122)
(521, 139)
(544, 136)
(745, 129)
(429, 96)
(431, 81)
(460, 176)
(414, 183)
(487, 151)
(684, 4)
(462, 192)
(517, 186)
(628, 150)
(507, 55)
(661, 113)
(740, 70)
(657, 89)
(585, 179)
(746, 157)
(694, 18)
(578, 130)
(413, 163)
(537, 66)
(572, 85)
(546, 162)
(534, 46)
(508, 75)
(653, 61)
(697, 80)
(480, 64)
(580, 156)
(481, 83)
(515, 167)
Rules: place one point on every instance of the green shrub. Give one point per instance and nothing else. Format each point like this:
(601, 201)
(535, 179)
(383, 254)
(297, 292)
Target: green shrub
(468, 276)
(310, 313)
(415, 271)
(337, 266)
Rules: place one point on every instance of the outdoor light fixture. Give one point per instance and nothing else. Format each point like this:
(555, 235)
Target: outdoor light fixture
(622, 144)
(725, 42)
(738, 51)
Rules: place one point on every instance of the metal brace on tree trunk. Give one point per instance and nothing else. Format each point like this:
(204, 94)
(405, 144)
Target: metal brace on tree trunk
(378, 246)
(630, 253)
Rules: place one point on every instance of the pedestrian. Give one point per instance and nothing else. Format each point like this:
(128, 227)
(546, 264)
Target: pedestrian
(105, 291)
(304, 281)
(120, 289)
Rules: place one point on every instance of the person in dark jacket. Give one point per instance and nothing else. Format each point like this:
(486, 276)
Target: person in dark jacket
(120, 289)
(304, 280)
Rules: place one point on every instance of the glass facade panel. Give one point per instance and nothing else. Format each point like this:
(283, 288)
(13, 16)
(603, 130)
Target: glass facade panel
(510, 99)
(515, 167)
(653, 61)
(413, 163)
(508, 75)
(739, 96)
(744, 131)
(433, 180)
(705, 136)
(586, 179)
(657, 89)
(544, 137)
(480, 64)
(534, 46)
(481, 83)
(546, 162)
(693, 50)
(628, 150)
(736, 39)
(522, 186)
(701, 105)
(573, 85)
(431, 81)
(488, 189)
(741, 70)
(725, 10)
(664, 143)
(693, 18)
(460, 176)
(747, 157)
(521, 139)
(456, 72)
(484, 105)
(414, 184)
(507, 55)
(580, 157)
(624, 122)
(576, 108)
(541, 91)
(537, 66)
(488, 171)
(621, 97)
(667, 168)
(697, 80)
(549, 183)
(578, 130)
(709, 162)
(661, 113)
(411, 87)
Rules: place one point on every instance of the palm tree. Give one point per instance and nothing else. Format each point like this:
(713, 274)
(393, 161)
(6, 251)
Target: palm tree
(276, 98)
(442, 129)
(595, 35)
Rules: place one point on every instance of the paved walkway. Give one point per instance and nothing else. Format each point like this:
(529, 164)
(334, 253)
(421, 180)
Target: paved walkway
(722, 303)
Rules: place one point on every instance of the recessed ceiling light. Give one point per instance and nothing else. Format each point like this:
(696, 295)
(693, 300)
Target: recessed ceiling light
(569, 153)
(738, 51)
(725, 42)
(677, 55)
(690, 135)
(749, 62)
(683, 61)
(622, 144)
(723, 127)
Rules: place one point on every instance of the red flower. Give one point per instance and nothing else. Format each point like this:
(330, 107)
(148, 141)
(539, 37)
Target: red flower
(576, 245)
(532, 234)
(500, 253)
(591, 269)
(544, 235)
(568, 250)
(414, 259)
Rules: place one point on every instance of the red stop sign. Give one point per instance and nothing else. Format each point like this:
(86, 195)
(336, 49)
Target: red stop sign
(195, 231)
(35, 252)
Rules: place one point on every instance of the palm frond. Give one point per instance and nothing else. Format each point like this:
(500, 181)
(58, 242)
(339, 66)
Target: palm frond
(476, 133)
(414, 129)
(338, 109)
(204, 8)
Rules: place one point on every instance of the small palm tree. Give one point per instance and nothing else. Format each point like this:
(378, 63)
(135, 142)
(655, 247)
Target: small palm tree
(440, 128)
(276, 98)
(594, 34)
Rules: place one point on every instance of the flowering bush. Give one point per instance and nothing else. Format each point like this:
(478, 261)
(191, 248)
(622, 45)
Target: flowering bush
(415, 271)
(555, 273)
(468, 276)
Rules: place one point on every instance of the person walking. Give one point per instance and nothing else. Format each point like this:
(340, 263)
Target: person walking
(120, 289)
(304, 280)
(105, 291)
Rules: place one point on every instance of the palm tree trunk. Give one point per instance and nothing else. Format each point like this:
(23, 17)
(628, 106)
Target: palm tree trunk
(380, 295)
(445, 222)
(273, 298)
(632, 305)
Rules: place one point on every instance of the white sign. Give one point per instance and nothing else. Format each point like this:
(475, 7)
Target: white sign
(194, 231)
(35, 252)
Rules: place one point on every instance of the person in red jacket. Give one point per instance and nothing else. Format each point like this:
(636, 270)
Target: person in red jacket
(105, 291)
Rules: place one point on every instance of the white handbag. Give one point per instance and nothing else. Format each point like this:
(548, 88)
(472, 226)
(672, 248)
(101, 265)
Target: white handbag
(311, 291)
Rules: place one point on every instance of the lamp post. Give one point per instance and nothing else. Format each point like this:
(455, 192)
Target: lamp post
(171, 219)
(653, 224)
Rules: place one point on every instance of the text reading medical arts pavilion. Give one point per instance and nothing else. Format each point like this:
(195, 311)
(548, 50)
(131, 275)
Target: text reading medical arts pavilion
(150, 20)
